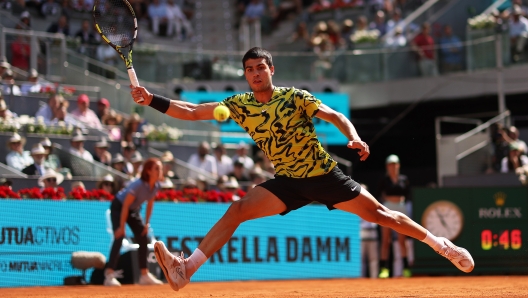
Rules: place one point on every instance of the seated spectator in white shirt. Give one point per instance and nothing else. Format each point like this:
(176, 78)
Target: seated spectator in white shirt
(32, 85)
(84, 114)
(8, 84)
(157, 13)
(241, 152)
(224, 163)
(37, 168)
(17, 158)
(397, 40)
(77, 147)
(47, 111)
(102, 154)
(177, 21)
(203, 160)
(518, 32)
(61, 115)
(514, 159)
(5, 113)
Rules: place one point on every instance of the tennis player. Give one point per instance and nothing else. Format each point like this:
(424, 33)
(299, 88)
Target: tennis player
(280, 121)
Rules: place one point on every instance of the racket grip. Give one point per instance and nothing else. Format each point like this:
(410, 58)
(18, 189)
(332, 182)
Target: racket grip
(133, 77)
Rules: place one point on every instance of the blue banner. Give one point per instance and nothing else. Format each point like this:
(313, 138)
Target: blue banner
(327, 133)
(38, 237)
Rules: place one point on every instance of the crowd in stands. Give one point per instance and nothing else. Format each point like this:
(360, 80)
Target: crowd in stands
(508, 151)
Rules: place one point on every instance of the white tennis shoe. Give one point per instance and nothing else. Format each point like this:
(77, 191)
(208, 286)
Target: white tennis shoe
(149, 279)
(459, 256)
(173, 266)
(111, 278)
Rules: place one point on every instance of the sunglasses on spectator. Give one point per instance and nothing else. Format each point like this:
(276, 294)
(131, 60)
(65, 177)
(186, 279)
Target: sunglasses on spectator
(107, 184)
(51, 179)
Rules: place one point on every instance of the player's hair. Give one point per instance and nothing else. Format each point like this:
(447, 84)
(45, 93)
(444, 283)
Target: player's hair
(255, 53)
(146, 168)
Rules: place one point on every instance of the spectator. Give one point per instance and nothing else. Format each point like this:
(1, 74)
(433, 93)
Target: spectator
(203, 160)
(47, 111)
(78, 185)
(337, 4)
(395, 21)
(167, 160)
(379, 23)
(32, 85)
(334, 35)
(38, 168)
(61, 26)
(241, 152)
(500, 148)
(108, 56)
(25, 21)
(50, 179)
(52, 161)
(84, 114)
(178, 21)
(111, 121)
(103, 108)
(254, 11)
(239, 171)
(88, 38)
(301, 35)
(132, 125)
(232, 186)
(257, 177)
(61, 115)
(397, 40)
(4, 66)
(6, 182)
(77, 147)
(20, 52)
(451, 51)
(82, 5)
(511, 135)
(107, 183)
(8, 84)
(157, 13)
(137, 162)
(50, 8)
(118, 163)
(166, 184)
(347, 29)
(283, 9)
(101, 152)
(129, 149)
(224, 163)
(5, 113)
(518, 33)
(423, 45)
(514, 160)
(17, 158)
(324, 49)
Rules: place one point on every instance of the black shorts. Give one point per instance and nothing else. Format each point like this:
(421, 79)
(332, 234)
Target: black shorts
(329, 189)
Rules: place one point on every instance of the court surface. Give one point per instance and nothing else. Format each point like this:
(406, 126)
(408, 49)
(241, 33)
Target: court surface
(462, 286)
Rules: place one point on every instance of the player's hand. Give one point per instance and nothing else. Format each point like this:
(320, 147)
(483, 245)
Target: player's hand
(141, 95)
(364, 150)
(120, 232)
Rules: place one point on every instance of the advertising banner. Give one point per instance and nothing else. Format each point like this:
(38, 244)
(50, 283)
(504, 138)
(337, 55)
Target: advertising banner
(326, 132)
(38, 237)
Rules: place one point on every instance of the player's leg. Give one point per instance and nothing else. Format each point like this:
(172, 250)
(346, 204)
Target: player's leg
(368, 208)
(258, 202)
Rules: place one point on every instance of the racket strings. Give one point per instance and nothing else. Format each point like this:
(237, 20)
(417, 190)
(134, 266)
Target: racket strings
(116, 21)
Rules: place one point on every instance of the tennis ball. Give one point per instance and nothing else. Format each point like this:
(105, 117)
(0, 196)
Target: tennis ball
(221, 113)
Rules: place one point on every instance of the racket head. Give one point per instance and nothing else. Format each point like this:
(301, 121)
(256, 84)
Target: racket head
(116, 22)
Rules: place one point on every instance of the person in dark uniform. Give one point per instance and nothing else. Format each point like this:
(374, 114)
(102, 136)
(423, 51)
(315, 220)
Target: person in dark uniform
(125, 209)
(394, 189)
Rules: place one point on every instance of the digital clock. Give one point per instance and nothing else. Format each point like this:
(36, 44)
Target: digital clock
(505, 239)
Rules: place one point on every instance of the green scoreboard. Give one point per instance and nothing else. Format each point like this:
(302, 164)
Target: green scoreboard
(490, 222)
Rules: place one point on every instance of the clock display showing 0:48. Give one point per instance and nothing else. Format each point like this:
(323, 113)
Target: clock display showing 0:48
(506, 239)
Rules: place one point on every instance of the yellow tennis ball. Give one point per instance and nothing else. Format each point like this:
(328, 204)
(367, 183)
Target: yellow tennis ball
(221, 113)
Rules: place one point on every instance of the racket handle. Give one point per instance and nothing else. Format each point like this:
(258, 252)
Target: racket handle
(133, 77)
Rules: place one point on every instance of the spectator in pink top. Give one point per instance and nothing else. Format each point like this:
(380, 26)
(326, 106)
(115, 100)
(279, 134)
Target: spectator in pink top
(84, 114)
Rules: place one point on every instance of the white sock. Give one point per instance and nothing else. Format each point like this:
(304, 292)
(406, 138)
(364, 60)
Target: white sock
(196, 260)
(435, 242)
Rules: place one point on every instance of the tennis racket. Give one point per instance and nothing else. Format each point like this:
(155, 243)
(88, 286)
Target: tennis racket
(116, 22)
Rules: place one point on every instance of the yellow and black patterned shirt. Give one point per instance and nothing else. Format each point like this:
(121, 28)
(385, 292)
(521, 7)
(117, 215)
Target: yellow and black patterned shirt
(284, 130)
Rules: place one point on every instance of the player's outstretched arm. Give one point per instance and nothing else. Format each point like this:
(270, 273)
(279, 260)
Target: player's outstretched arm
(346, 127)
(174, 108)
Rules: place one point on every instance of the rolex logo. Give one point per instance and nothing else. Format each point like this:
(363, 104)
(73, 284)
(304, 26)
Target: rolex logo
(500, 199)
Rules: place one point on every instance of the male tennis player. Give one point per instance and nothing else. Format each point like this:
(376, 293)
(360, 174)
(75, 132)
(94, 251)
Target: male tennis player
(280, 122)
